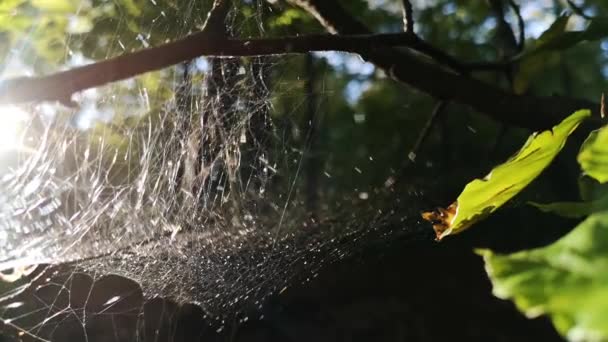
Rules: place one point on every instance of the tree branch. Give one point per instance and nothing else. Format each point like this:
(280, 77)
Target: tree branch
(533, 112)
(578, 10)
(504, 36)
(61, 86)
(524, 111)
(521, 25)
(216, 18)
(211, 41)
(408, 18)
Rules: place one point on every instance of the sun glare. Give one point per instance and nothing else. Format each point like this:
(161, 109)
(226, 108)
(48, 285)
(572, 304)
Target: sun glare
(12, 119)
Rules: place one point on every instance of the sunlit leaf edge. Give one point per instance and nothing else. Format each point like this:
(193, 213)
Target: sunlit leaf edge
(481, 197)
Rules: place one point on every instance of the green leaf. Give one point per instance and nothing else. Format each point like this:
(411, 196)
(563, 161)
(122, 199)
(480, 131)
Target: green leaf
(574, 209)
(564, 280)
(593, 155)
(481, 197)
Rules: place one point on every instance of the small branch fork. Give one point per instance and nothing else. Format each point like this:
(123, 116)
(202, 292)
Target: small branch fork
(578, 10)
(528, 111)
(440, 56)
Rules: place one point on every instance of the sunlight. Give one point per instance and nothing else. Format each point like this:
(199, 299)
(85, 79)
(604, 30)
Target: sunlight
(12, 119)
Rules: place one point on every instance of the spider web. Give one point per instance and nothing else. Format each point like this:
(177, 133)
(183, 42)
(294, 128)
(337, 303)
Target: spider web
(185, 184)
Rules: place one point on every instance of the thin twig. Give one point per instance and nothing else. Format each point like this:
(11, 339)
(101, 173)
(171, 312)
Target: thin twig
(578, 10)
(505, 37)
(408, 18)
(422, 136)
(508, 45)
(520, 24)
(439, 108)
(216, 18)
(510, 65)
(452, 62)
(311, 144)
(441, 57)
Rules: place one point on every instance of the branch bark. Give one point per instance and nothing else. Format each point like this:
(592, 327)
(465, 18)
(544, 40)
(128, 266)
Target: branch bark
(534, 112)
(61, 86)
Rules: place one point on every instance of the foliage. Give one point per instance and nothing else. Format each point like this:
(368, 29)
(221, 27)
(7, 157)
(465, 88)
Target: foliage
(594, 155)
(368, 123)
(565, 279)
(557, 37)
(547, 51)
(570, 209)
(481, 197)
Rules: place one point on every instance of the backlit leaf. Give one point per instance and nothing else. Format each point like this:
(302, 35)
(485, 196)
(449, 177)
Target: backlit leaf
(481, 197)
(590, 189)
(593, 156)
(564, 280)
